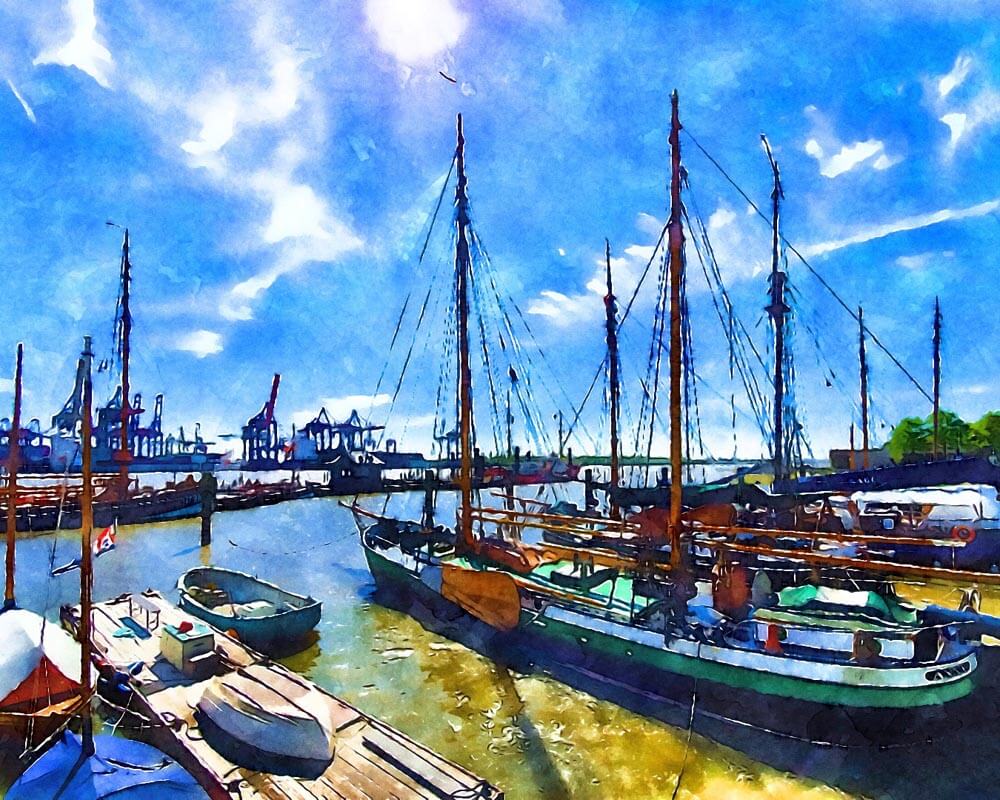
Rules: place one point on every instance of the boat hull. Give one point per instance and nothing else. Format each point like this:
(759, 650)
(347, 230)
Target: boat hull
(663, 681)
(280, 633)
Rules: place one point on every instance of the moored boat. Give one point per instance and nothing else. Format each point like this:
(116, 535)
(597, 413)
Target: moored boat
(825, 663)
(261, 614)
(270, 722)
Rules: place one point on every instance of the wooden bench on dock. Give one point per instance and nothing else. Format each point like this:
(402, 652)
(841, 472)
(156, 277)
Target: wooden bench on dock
(372, 760)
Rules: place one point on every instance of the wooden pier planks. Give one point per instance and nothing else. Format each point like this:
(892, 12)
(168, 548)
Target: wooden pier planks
(373, 761)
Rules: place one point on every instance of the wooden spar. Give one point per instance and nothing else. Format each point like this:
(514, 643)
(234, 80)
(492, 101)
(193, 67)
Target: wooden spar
(863, 361)
(502, 518)
(618, 525)
(613, 387)
(124, 455)
(13, 457)
(885, 567)
(676, 250)
(510, 422)
(937, 375)
(850, 453)
(86, 560)
(777, 310)
(845, 536)
(462, 270)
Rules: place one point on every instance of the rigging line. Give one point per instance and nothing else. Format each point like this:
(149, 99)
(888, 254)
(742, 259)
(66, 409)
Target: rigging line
(628, 307)
(518, 351)
(659, 347)
(478, 308)
(409, 353)
(738, 357)
(437, 208)
(336, 540)
(853, 314)
(385, 365)
(586, 397)
(717, 274)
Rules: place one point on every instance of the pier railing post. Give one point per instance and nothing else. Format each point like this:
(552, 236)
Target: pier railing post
(207, 487)
(589, 497)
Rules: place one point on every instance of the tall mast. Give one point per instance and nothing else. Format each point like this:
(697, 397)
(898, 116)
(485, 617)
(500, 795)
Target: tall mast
(777, 311)
(676, 249)
(13, 457)
(863, 361)
(937, 375)
(610, 309)
(462, 269)
(86, 562)
(124, 456)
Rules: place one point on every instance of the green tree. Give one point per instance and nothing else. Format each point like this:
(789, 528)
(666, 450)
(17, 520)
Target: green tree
(987, 431)
(911, 435)
(915, 436)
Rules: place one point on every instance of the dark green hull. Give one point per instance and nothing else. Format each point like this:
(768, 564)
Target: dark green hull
(656, 681)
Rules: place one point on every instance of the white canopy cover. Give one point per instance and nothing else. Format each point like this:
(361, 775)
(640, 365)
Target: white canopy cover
(37, 658)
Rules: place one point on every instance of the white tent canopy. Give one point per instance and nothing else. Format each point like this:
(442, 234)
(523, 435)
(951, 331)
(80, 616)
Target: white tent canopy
(25, 640)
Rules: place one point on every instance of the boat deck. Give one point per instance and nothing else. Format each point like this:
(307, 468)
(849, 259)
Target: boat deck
(372, 759)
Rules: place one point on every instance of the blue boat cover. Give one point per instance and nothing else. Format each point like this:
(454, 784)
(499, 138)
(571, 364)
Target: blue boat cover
(120, 769)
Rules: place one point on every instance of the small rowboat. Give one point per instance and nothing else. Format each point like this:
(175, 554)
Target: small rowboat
(262, 615)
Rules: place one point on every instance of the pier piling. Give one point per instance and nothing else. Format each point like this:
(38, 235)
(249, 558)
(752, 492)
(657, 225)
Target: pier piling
(208, 485)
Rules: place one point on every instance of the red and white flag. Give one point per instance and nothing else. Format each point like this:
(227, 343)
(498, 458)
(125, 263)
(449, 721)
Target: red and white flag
(105, 540)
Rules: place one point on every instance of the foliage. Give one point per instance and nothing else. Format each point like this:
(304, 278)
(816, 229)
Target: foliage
(915, 436)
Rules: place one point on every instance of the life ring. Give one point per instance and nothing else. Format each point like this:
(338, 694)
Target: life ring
(963, 533)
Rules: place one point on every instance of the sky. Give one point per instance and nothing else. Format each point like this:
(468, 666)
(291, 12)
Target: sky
(277, 164)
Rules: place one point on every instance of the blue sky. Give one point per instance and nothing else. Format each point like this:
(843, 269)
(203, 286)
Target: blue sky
(277, 162)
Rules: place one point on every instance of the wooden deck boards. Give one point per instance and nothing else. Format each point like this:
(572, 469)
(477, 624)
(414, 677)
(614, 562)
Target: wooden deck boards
(373, 761)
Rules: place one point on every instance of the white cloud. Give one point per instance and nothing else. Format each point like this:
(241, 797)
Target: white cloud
(964, 100)
(415, 31)
(835, 157)
(221, 108)
(29, 112)
(83, 50)
(905, 224)
(921, 260)
(981, 110)
(340, 408)
(956, 125)
(202, 343)
(729, 234)
(301, 226)
(952, 80)
(564, 309)
(6, 385)
(849, 156)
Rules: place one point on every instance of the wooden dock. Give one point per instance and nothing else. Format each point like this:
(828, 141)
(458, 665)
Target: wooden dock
(372, 760)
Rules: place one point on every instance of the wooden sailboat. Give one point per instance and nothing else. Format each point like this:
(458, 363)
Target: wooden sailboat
(89, 765)
(39, 662)
(866, 665)
(118, 500)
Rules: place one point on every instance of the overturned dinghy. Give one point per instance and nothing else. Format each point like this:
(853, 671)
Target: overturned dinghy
(269, 722)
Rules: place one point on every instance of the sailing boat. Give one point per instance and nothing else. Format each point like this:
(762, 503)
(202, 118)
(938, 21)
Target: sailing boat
(39, 662)
(89, 766)
(118, 501)
(814, 661)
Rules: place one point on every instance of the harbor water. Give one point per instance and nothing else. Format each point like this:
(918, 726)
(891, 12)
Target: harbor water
(529, 734)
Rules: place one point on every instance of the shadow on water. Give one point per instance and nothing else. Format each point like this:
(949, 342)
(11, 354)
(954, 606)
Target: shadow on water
(547, 777)
(953, 760)
(952, 757)
(303, 656)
